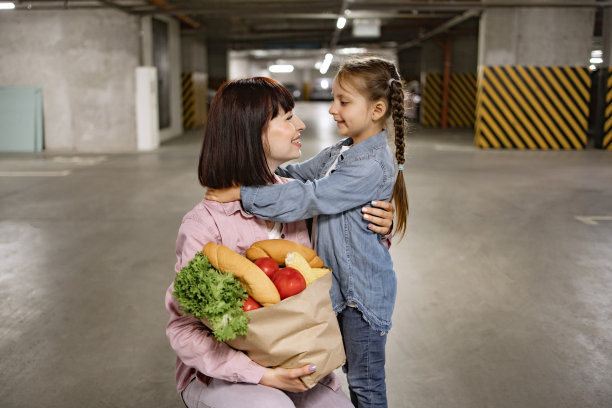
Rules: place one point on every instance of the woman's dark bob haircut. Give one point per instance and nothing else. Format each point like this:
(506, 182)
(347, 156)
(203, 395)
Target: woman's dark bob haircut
(232, 149)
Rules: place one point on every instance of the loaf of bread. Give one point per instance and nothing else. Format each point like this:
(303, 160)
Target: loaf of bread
(278, 250)
(253, 279)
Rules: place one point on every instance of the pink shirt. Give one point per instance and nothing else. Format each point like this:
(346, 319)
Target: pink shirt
(198, 352)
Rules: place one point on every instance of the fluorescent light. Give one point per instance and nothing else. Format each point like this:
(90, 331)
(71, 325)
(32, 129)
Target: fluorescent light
(592, 67)
(7, 5)
(596, 53)
(326, 63)
(341, 22)
(349, 51)
(596, 60)
(281, 68)
(324, 84)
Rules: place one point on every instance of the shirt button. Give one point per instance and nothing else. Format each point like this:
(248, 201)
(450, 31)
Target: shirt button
(283, 236)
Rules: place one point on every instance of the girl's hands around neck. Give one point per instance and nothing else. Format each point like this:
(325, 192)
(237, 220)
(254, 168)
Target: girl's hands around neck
(223, 195)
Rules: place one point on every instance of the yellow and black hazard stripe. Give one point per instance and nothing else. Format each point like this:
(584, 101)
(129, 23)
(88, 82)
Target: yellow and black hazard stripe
(532, 107)
(607, 131)
(462, 100)
(431, 101)
(188, 100)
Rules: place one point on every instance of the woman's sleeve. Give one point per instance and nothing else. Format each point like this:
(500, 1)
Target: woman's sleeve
(190, 339)
(346, 188)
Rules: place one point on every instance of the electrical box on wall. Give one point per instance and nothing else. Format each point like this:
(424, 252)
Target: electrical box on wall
(147, 122)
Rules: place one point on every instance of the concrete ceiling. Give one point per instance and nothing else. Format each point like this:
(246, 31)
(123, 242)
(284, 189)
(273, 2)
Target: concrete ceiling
(311, 24)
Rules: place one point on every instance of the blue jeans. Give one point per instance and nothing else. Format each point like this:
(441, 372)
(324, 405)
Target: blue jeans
(365, 360)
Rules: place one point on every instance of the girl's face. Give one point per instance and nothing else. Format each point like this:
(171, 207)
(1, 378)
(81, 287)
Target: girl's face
(282, 139)
(355, 116)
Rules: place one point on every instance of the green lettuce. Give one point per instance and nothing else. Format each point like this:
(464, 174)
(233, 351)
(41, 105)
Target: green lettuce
(207, 293)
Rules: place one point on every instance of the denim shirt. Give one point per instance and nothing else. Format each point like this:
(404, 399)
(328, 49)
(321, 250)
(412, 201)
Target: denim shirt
(362, 267)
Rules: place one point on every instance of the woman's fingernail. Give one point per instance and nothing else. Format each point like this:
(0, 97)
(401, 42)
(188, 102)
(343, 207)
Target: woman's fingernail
(374, 203)
(366, 217)
(313, 368)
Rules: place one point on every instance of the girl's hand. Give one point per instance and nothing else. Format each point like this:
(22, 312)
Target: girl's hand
(223, 195)
(381, 218)
(287, 379)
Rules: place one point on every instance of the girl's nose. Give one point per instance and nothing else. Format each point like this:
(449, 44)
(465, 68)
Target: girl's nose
(332, 109)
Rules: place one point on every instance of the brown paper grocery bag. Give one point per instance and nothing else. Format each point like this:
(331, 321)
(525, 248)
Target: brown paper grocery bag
(299, 330)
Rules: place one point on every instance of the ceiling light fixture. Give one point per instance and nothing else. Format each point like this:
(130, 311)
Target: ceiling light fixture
(326, 63)
(351, 50)
(281, 68)
(341, 22)
(7, 5)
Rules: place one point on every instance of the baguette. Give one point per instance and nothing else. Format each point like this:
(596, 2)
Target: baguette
(253, 279)
(278, 250)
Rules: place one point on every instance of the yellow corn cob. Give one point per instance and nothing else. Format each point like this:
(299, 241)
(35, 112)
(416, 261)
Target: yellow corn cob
(296, 260)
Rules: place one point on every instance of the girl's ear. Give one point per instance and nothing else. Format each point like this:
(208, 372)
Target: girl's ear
(379, 108)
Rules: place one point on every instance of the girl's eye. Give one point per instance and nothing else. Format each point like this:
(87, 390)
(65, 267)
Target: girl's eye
(289, 117)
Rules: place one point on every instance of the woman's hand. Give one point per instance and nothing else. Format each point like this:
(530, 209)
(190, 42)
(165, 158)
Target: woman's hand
(287, 379)
(223, 195)
(380, 219)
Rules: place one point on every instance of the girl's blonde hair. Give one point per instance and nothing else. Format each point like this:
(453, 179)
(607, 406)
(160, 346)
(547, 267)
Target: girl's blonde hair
(380, 80)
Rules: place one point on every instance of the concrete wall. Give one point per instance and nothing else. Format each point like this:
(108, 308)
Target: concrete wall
(536, 36)
(84, 61)
(464, 55)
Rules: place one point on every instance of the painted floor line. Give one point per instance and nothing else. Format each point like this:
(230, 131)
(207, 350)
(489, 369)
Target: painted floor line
(592, 219)
(60, 173)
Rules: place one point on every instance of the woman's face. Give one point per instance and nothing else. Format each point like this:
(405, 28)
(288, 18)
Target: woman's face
(282, 139)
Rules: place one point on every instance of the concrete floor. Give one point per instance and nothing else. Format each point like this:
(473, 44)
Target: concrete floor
(503, 301)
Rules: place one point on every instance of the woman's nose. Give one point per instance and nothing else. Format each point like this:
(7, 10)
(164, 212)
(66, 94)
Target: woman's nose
(299, 125)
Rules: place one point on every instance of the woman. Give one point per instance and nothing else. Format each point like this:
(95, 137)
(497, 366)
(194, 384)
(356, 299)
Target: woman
(251, 130)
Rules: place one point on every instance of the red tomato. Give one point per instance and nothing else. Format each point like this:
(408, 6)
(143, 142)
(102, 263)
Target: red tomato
(250, 304)
(289, 282)
(268, 265)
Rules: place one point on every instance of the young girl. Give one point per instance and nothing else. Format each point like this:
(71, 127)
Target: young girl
(250, 131)
(334, 187)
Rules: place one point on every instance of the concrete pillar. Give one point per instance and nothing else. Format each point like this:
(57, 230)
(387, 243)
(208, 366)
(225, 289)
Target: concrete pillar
(540, 36)
(604, 122)
(194, 82)
(534, 84)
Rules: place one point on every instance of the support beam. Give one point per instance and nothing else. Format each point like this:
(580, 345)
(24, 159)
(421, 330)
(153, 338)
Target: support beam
(441, 29)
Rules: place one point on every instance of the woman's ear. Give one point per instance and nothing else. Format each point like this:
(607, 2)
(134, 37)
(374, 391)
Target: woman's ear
(378, 110)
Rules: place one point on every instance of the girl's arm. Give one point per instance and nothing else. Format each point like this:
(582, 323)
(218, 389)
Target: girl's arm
(346, 188)
(303, 171)
(306, 170)
(379, 214)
